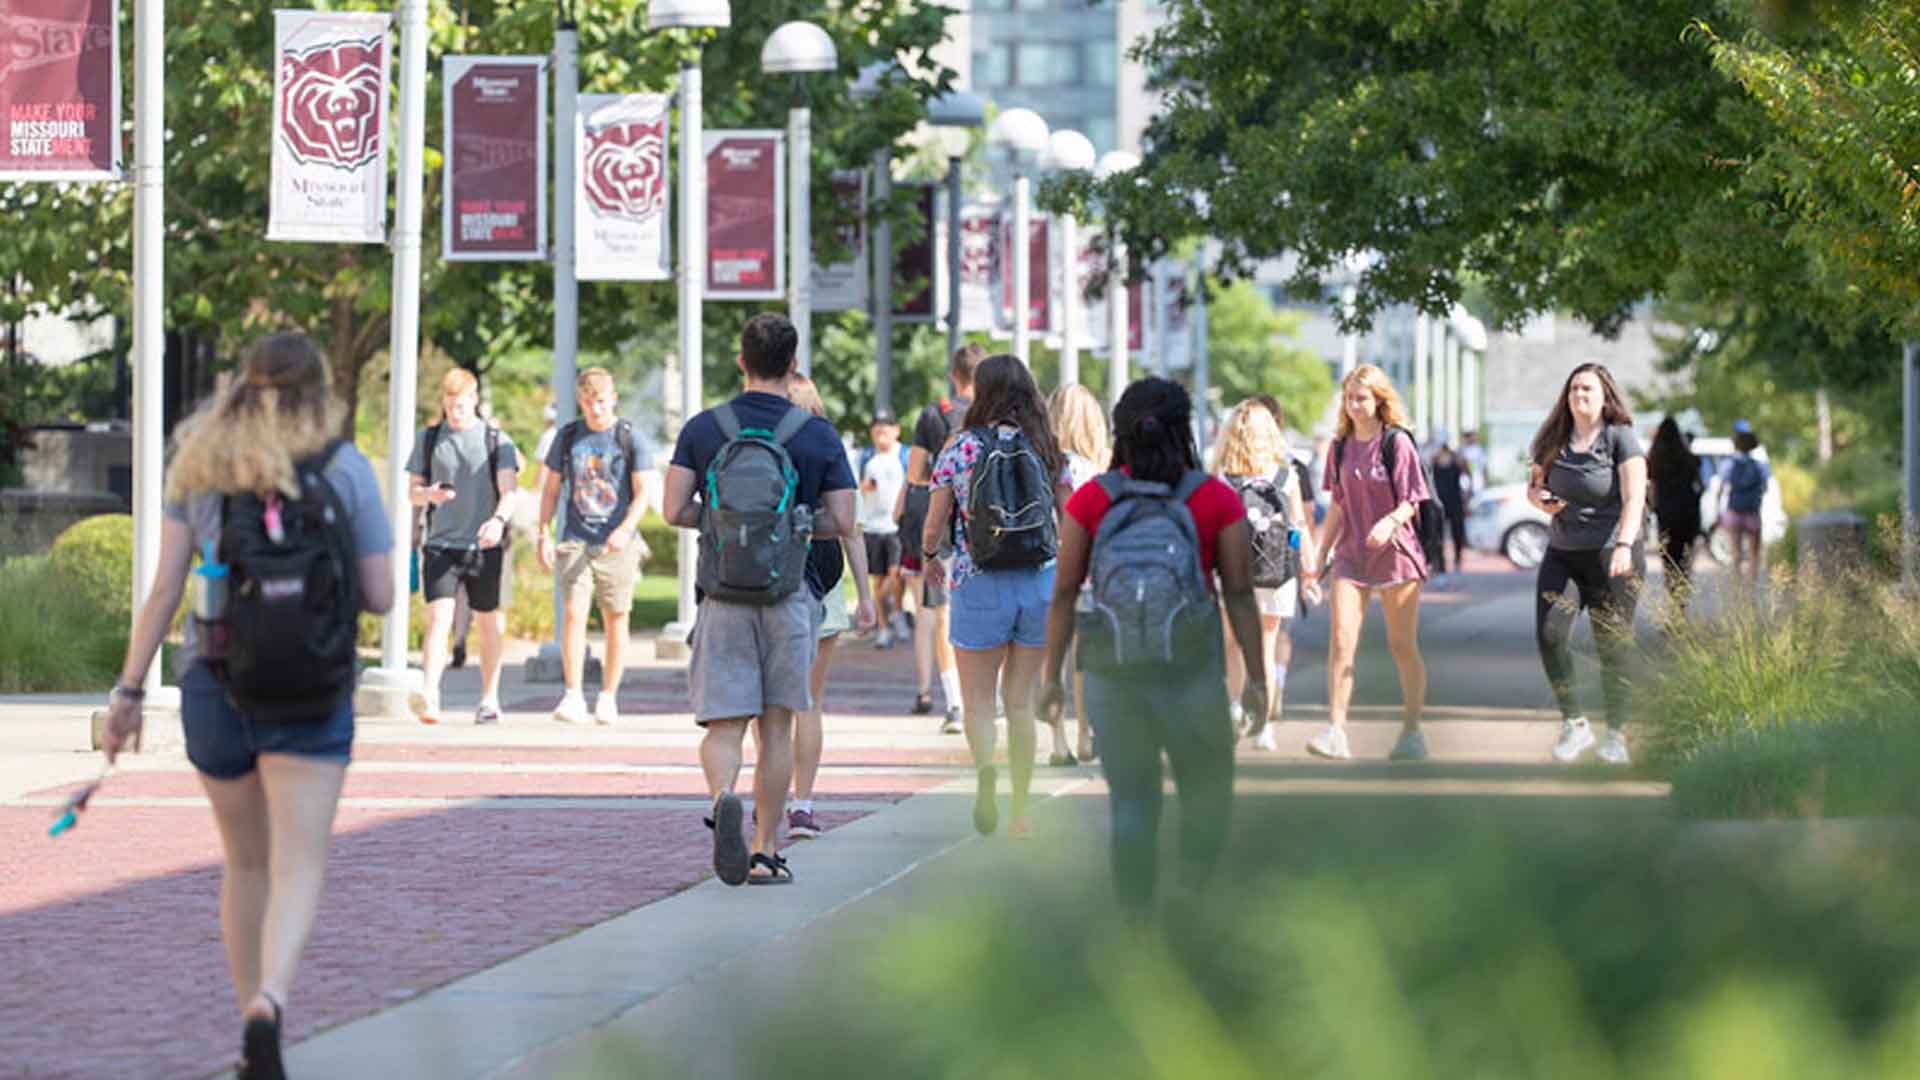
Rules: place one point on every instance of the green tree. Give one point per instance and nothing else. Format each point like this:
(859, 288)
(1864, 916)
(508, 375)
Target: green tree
(1249, 352)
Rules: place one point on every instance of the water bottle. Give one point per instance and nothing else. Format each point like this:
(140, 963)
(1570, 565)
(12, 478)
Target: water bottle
(212, 592)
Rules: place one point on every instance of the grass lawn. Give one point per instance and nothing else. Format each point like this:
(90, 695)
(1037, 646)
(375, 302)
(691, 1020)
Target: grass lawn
(656, 602)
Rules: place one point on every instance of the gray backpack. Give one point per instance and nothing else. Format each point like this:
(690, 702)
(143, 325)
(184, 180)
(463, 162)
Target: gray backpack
(754, 533)
(1151, 603)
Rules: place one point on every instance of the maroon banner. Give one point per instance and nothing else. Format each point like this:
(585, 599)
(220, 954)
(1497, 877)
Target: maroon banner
(60, 89)
(495, 207)
(915, 270)
(1039, 277)
(746, 215)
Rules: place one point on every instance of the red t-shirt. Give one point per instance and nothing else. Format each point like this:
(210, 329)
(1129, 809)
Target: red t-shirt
(1213, 505)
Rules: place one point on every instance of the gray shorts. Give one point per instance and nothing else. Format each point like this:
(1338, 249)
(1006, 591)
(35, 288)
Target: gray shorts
(748, 658)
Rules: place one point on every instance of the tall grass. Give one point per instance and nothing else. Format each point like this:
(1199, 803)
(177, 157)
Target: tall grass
(53, 636)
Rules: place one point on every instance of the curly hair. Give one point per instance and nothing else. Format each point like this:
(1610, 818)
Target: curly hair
(1250, 443)
(1153, 431)
(276, 410)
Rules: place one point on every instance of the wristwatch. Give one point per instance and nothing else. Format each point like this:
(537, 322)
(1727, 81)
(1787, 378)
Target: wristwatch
(131, 693)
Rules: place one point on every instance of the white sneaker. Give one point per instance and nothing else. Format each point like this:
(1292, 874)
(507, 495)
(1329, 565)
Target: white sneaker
(1576, 736)
(1267, 740)
(902, 629)
(1411, 746)
(425, 707)
(885, 640)
(1330, 743)
(1614, 750)
(572, 708)
(606, 710)
(1238, 716)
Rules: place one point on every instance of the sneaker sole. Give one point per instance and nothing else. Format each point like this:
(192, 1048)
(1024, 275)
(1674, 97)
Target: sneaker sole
(1328, 754)
(1570, 757)
(417, 704)
(803, 833)
(729, 844)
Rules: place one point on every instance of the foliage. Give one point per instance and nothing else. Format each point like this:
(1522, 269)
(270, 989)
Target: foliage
(1248, 352)
(1856, 768)
(53, 637)
(94, 558)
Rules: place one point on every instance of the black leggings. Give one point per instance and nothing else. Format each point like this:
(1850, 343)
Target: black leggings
(1570, 581)
(1677, 548)
(1457, 529)
(1137, 716)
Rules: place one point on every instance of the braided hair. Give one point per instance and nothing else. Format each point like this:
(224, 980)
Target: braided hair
(1153, 431)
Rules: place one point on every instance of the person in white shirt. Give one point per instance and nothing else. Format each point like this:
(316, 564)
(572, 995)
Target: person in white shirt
(881, 479)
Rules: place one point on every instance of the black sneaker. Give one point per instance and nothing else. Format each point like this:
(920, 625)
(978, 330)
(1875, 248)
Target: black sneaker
(459, 659)
(922, 704)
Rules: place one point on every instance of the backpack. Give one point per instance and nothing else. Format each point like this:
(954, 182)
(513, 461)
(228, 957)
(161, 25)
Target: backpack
(292, 624)
(1746, 485)
(1010, 522)
(913, 512)
(1149, 602)
(1275, 562)
(754, 535)
(424, 524)
(1430, 518)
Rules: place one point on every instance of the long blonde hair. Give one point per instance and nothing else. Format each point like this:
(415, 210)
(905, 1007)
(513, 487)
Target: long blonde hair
(1388, 408)
(1080, 424)
(276, 410)
(802, 392)
(1250, 443)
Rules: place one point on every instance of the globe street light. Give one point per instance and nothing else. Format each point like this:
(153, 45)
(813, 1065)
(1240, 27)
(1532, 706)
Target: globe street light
(1070, 151)
(800, 48)
(685, 15)
(1113, 163)
(1024, 136)
(957, 112)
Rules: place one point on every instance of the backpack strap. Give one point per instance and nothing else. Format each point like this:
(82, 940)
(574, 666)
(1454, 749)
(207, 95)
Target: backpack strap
(493, 468)
(728, 420)
(1387, 458)
(432, 442)
(1188, 484)
(790, 424)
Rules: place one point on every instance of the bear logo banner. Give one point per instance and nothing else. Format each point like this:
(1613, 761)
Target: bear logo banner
(620, 229)
(330, 83)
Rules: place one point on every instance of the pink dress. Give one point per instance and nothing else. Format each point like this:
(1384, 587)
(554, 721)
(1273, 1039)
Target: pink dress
(1364, 494)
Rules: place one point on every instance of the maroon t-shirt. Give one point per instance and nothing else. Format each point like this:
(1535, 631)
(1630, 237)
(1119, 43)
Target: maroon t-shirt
(1364, 494)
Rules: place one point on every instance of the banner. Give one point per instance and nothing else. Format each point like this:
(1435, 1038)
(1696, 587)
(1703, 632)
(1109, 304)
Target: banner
(842, 286)
(1039, 310)
(1099, 319)
(1086, 264)
(60, 87)
(620, 197)
(979, 254)
(495, 201)
(746, 215)
(915, 273)
(330, 77)
(1176, 346)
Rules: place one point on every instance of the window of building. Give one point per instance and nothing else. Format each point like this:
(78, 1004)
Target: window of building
(1103, 63)
(1047, 63)
(1102, 132)
(993, 65)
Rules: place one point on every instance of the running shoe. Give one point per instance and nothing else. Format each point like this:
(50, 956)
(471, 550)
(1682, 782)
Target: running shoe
(1266, 739)
(1613, 751)
(1576, 736)
(902, 626)
(426, 707)
(572, 708)
(1238, 717)
(606, 709)
(952, 725)
(801, 826)
(1411, 746)
(487, 713)
(884, 640)
(1330, 743)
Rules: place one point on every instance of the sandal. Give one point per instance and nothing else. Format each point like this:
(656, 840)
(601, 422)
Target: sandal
(777, 873)
(260, 1046)
(730, 863)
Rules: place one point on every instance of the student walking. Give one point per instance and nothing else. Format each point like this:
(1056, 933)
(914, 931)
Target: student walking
(264, 491)
(1377, 485)
(1744, 479)
(1080, 424)
(827, 565)
(1673, 472)
(881, 480)
(1590, 474)
(1252, 459)
(931, 648)
(466, 474)
(1453, 486)
(760, 478)
(600, 468)
(1002, 477)
(1150, 537)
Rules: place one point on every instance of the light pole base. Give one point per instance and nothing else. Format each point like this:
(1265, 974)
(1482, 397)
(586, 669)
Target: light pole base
(547, 666)
(383, 692)
(672, 642)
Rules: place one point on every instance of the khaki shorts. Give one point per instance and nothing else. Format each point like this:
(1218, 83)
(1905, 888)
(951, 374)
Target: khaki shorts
(606, 578)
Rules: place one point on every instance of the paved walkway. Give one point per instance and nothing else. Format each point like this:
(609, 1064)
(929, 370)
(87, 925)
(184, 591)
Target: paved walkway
(503, 899)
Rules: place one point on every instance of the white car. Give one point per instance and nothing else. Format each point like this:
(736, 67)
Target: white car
(1502, 521)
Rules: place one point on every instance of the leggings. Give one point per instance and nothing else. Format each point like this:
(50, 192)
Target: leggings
(1678, 551)
(1137, 715)
(1570, 581)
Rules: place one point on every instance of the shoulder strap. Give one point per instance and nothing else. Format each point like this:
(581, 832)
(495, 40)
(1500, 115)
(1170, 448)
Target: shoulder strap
(493, 468)
(728, 420)
(1387, 458)
(1188, 484)
(426, 451)
(568, 434)
(790, 424)
(1113, 482)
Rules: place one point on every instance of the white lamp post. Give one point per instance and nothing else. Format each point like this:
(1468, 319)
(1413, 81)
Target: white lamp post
(1024, 136)
(1113, 163)
(800, 48)
(689, 15)
(957, 112)
(1070, 151)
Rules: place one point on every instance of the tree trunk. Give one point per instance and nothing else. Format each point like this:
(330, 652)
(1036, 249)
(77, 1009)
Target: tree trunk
(346, 366)
(1823, 409)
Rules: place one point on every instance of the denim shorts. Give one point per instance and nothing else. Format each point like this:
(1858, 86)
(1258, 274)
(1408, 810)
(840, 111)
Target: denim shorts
(993, 608)
(225, 743)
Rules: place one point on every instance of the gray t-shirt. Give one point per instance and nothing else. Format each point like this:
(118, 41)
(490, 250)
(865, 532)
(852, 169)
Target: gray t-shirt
(352, 479)
(597, 484)
(1590, 483)
(461, 457)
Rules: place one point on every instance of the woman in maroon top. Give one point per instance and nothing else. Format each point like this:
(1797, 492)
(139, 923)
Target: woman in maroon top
(1372, 551)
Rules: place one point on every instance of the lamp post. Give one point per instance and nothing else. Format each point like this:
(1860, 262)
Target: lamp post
(1119, 327)
(800, 48)
(149, 301)
(959, 111)
(1069, 151)
(688, 15)
(1024, 136)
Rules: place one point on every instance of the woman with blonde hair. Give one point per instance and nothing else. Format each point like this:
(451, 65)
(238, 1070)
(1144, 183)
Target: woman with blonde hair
(1080, 426)
(1370, 549)
(267, 439)
(1251, 457)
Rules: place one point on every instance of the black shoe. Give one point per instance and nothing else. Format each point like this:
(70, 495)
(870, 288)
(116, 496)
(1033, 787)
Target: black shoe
(260, 1047)
(922, 704)
(459, 659)
(729, 844)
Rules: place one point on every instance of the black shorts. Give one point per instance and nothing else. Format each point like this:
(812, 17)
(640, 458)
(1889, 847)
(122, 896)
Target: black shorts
(883, 553)
(444, 570)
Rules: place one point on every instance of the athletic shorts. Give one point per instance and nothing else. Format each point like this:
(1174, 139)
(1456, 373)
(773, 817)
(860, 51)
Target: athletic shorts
(883, 552)
(226, 744)
(748, 657)
(994, 608)
(444, 570)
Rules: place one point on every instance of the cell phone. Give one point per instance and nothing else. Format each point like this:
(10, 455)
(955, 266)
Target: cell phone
(445, 485)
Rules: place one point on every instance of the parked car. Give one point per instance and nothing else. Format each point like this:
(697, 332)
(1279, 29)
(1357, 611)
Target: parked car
(1502, 521)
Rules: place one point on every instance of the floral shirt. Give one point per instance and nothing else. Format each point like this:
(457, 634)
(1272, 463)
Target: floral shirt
(954, 471)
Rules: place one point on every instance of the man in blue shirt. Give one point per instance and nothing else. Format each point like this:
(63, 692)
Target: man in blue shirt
(751, 662)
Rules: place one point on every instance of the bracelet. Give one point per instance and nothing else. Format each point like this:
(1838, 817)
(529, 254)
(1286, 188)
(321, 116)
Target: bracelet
(128, 692)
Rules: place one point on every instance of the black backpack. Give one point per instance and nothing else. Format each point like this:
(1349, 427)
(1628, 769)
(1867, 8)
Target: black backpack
(1274, 560)
(1010, 523)
(294, 602)
(1430, 518)
(755, 536)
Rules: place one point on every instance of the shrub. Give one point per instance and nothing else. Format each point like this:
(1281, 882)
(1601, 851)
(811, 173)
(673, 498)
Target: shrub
(94, 557)
(1799, 488)
(53, 638)
(1849, 769)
